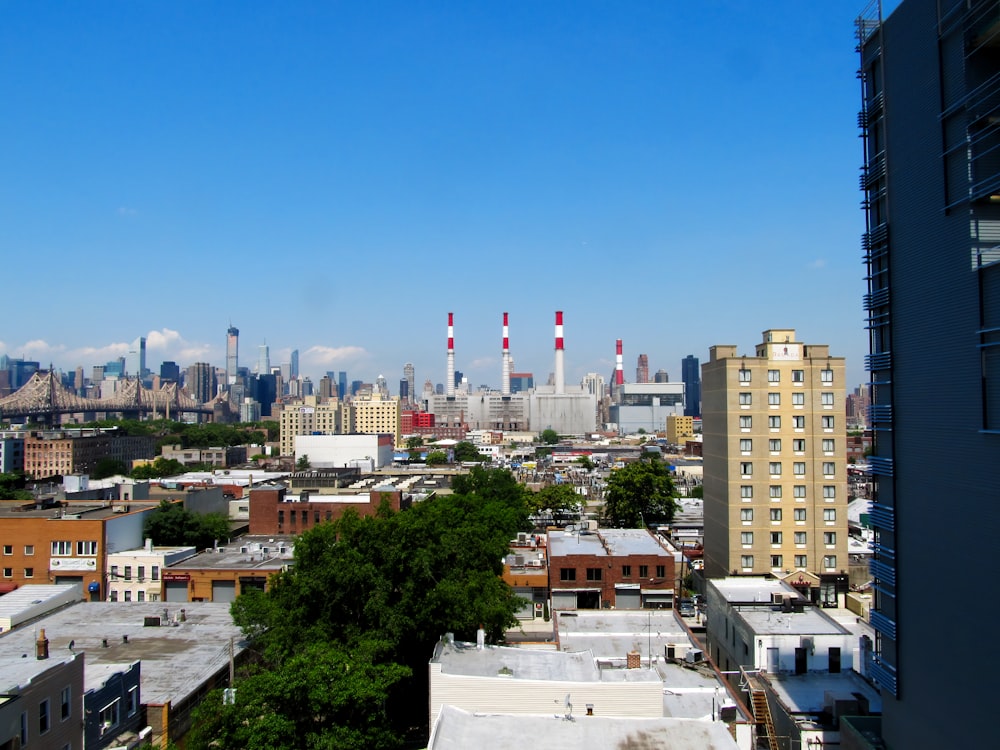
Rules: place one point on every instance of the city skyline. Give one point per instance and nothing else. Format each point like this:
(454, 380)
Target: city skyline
(646, 169)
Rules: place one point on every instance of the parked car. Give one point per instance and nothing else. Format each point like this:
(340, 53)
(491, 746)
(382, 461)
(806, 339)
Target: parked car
(687, 608)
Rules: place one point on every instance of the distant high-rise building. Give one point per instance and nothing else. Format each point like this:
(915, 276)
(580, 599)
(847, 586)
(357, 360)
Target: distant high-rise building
(642, 369)
(232, 353)
(341, 385)
(263, 360)
(19, 370)
(115, 368)
(521, 382)
(356, 386)
(458, 377)
(307, 386)
(404, 390)
(293, 365)
(135, 360)
(931, 182)
(775, 462)
(661, 376)
(170, 371)
(408, 375)
(200, 382)
(691, 377)
(326, 387)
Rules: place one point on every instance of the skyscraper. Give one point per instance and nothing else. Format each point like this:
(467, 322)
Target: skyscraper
(135, 360)
(775, 465)
(642, 369)
(341, 385)
(409, 374)
(691, 377)
(263, 360)
(294, 365)
(200, 381)
(930, 76)
(232, 353)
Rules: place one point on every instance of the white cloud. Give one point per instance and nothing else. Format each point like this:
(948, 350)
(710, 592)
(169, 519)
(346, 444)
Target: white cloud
(334, 355)
(483, 363)
(162, 339)
(126, 211)
(817, 264)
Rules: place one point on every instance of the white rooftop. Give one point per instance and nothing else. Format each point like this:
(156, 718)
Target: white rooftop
(456, 729)
(810, 693)
(736, 589)
(605, 543)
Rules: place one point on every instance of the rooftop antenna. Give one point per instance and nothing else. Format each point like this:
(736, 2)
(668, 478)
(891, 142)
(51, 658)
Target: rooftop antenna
(569, 708)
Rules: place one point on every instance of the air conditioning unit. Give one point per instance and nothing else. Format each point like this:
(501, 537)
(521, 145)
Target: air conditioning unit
(777, 597)
(693, 656)
(244, 550)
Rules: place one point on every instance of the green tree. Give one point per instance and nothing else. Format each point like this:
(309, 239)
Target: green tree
(555, 498)
(325, 695)
(698, 491)
(414, 441)
(549, 437)
(170, 524)
(639, 494)
(160, 467)
(466, 451)
(585, 462)
(436, 458)
(303, 463)
(108, 467)
(12, 487)
(406, 577)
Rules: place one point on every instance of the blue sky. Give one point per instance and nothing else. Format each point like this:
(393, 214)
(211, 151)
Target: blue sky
(336, 177)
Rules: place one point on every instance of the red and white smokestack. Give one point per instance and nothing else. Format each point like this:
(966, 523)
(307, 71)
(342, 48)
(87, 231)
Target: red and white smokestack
(450, 383)
(560, 373)
(505, 372)
(619, 370)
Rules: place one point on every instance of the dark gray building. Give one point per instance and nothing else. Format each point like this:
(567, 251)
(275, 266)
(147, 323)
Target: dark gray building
(931, 180)
(691, 377)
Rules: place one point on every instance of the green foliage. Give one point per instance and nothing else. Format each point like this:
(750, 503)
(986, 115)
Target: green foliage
(555, 497)
(404, 578)
(436, 458)
(326, 695)
(108, 467)
(585, 462)
(303, 463)
(414, 441)
(172, 525)
(549, 437)
(639, 494)
(12, 487)
(160, 467)
(697, 491)
(466, 451)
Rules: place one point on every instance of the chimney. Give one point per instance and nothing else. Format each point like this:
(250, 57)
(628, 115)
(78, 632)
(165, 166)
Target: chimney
(560, 373)
(633, 660)
(505, 372)
(450, 375)
(42, 645)
(619, 371)
(480, 639)
(149, 545)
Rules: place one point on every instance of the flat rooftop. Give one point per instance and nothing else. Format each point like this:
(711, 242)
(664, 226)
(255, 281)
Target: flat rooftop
(605, 543)
(750, 589)
(769, 620)
(809, 693)
(456, 729)
(176, 660)
(88, 510)
(29, 596)
(270, 553)
(460, 658)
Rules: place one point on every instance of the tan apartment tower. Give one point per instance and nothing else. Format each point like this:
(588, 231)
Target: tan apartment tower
(775, 463)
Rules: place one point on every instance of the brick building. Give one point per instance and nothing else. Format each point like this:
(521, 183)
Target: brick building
(271, 512)
(609, 568)
(59, 452)
(66, 543)
(224, 572)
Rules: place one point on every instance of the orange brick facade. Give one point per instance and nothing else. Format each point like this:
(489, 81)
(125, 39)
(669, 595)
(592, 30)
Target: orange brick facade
(271, 514)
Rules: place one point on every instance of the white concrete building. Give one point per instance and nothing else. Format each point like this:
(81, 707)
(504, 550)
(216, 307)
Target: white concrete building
(333, 451)
(135, 575)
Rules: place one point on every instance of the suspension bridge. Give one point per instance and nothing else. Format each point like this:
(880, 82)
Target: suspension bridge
(44, 397)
